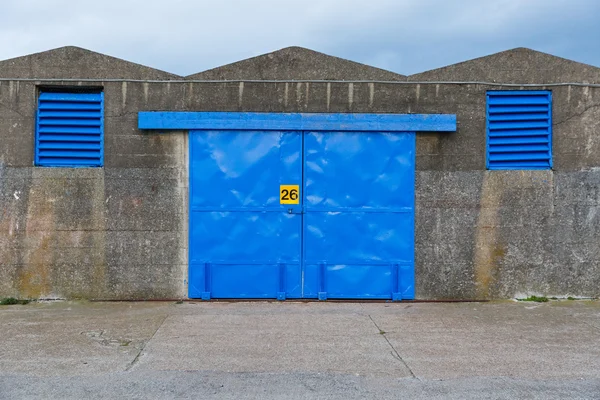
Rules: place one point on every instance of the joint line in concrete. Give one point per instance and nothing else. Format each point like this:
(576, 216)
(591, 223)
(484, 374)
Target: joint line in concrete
(394, 351)
(137, 357)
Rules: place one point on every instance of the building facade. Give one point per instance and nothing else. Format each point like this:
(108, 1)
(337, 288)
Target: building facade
(479, 180)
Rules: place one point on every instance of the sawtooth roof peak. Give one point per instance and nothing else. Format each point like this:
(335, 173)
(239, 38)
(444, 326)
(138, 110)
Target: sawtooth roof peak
(297, 63)
(71, 62)
(519, 65)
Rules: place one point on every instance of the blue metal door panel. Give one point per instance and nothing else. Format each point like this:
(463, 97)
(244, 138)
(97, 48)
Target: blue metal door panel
(216, 237)
(250, 281)
(359, 215)
(363, 281)
(364, 170)
(242, 169)
(243, 242)
(355, 222)
(382, 235)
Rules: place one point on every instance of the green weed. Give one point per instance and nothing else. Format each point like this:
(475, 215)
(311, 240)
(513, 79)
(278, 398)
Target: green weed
(9, 301)
(537, 299)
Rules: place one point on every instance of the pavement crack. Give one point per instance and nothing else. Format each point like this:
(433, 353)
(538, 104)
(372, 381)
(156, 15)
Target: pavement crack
(394, 351)
(137, 356)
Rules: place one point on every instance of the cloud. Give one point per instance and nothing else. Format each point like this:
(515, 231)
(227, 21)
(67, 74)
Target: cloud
(406, 36)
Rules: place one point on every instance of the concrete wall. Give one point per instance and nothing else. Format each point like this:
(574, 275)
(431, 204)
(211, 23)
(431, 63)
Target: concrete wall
(120, 232)
(112, 232)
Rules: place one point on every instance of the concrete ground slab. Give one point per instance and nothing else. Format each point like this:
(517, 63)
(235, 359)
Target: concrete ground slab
(149, 385)
(507, 340)
(75, 338)
(263, 350)
(290, 342)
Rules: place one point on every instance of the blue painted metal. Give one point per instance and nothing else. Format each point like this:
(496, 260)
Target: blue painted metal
(300, 122)
(359, 215)
(351, 236)
(70, 130)
(519, 130)
(243, 243)
(355, 222)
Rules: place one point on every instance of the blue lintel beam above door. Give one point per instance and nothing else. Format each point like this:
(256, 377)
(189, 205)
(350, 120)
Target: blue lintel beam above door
(183, 120)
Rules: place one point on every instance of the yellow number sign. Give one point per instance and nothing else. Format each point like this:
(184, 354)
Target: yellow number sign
(289, 194)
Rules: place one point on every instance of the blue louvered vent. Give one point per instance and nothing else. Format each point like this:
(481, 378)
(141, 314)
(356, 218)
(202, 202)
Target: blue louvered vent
(519, 130)
(70, 130)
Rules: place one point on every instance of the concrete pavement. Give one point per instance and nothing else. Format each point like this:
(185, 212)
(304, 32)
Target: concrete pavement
(300, 350)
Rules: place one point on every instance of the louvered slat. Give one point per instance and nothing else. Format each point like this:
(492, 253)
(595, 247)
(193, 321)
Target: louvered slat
(44, 121)
(518, 156)
(518, 99)
(78, 154)
(516, 109)
(518, 148)
(68, 105)
(73, 137)
(520, 116)
(521, 165)
(519, 130)
(70, 130)
(517, 140)
(51, 114)
(70, 145)
(64, 162)
(512, 125)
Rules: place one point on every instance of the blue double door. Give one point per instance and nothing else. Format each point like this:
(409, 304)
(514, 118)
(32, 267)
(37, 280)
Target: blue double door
(299, 214)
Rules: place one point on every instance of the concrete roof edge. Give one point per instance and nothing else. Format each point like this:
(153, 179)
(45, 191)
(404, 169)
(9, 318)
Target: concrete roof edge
(503, 52)
(108, 58)
(297, 49)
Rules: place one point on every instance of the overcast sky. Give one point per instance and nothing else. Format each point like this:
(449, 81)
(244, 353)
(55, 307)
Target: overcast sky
(404, 36)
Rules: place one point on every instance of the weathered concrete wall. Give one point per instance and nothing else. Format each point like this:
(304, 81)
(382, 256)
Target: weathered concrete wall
(121, 231)
(113, 232)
